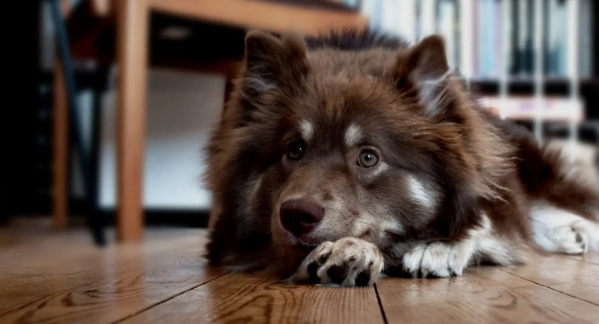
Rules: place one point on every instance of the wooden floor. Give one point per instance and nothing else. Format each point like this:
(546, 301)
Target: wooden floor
(50, 277)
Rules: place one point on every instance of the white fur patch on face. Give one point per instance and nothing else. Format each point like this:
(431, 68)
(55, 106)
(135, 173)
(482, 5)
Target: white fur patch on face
(306, 129)
(391, 226)
(353, 134)
(382, 167)
(380, 225)
(255, 186)
(420, 194)
(560, 231)
(251, 190)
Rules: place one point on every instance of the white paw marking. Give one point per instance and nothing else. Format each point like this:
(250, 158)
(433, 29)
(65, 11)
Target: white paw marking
(560, 231)
(347, 262)
(569, 239)
(438, 259)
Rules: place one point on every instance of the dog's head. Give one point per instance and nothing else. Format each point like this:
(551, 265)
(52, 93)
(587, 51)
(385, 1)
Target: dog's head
(377, 143)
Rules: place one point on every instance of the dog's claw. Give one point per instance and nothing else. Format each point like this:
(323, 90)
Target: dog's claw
(346, 262)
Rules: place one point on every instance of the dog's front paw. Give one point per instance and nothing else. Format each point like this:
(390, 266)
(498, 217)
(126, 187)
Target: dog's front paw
(570, 239)
(347, 262)
(438, 259)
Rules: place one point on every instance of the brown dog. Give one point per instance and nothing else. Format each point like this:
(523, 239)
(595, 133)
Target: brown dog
(341, 157)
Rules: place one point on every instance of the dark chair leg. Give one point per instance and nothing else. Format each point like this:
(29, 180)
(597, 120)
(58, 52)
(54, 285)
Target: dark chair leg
(94, 222)
(99, 88)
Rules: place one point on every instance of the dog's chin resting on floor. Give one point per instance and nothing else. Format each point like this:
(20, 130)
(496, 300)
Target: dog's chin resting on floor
(344, 157)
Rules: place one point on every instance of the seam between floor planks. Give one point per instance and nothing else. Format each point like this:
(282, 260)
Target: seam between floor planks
(96, 282)
(51, 295)
(545, 286)
(567, 276)
(378, 299)
(375, 288)
(168, 298)
(152, 271)
(384, 315)
(20, 307)
(579, 258)
(291, 303)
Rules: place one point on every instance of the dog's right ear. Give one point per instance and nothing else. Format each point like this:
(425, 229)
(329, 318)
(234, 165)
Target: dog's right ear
(272, 62)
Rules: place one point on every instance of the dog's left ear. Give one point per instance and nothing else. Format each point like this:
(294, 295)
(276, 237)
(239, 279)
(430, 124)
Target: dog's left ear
(425, 68)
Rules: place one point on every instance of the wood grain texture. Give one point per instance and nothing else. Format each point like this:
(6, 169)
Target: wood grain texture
(562, 273)
(132, 33)
(96, 302)
(49, 277)
(484, 295)
(262, 14)
(240, 298)
(591, 258)
(60, 125)
(84, 284)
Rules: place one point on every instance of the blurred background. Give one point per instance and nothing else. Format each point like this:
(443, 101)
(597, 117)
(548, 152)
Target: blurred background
(125, 91)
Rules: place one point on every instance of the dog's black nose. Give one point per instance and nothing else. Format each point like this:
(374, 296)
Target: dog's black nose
(300, 216)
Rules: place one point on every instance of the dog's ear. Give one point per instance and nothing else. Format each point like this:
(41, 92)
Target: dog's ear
(272, 62)
(424, 72)
(425, 68)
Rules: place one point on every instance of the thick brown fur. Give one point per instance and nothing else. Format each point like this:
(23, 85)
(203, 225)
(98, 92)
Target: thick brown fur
(421, 121)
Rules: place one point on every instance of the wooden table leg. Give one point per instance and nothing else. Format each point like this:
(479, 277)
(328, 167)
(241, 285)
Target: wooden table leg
(60, 154)
(131, 116)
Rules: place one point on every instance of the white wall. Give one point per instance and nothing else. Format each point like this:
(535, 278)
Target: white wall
(181, 109)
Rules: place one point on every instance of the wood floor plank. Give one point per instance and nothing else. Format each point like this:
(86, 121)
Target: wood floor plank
(62, 278)
(38, 257)
(562, 273)
(243, 298)
(101, 286)
(480, 296)
(173, 268)
(592, 258)
(102, 301)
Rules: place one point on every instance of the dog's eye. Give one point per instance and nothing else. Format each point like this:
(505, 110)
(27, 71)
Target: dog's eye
(296, 149)
(367, 159)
